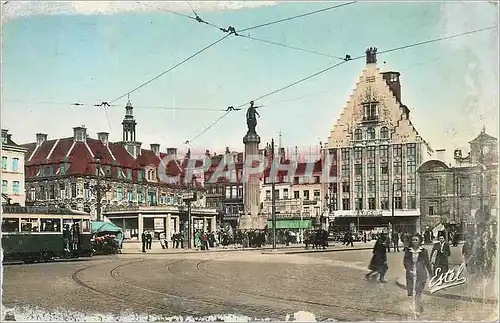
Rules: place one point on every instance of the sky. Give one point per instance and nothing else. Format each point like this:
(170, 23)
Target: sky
(55, 54)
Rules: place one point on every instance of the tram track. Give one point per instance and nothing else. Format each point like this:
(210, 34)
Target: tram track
(297, 301)
(229, 308)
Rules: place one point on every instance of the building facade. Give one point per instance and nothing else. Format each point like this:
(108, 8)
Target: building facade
(453, 195)
(13, 155)
(225, 193)
(378, 151)
(66, 171)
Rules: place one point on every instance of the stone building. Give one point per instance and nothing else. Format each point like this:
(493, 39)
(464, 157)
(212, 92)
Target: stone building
(65, 171)
(378, 151)
(225, 193)
(12, 171)
(451, 195)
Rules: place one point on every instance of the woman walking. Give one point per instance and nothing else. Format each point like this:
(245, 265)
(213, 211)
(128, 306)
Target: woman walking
(418, 267)
(378, 263)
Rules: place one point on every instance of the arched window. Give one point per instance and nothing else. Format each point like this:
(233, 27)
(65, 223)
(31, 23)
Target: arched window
(370, 133)
(358, 134)
(384, 133)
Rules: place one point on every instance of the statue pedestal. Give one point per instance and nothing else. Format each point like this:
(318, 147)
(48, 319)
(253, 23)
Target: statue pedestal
(251, 186)
(245, 222)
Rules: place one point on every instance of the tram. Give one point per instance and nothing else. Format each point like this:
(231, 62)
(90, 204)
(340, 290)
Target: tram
(33, 234)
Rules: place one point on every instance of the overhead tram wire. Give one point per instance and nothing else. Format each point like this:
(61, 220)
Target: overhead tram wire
(78, 104)
(199, 19)
(170, 69)
(297, 16)
(290, 47)
(341, 63)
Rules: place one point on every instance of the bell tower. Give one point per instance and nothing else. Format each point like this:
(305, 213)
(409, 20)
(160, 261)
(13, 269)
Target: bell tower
(129, 139)
(129, 123)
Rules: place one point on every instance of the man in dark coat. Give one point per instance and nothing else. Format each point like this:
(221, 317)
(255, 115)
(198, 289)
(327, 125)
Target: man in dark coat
(439, 255)
(395, 241)
(143, 240)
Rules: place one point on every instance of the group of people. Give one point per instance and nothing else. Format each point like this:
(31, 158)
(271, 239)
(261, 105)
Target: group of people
(419, 265)
(71, 237)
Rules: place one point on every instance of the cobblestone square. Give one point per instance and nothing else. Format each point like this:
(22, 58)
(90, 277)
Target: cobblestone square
(330, 285)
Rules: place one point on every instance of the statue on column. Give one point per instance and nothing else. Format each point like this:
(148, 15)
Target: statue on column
(252, 115)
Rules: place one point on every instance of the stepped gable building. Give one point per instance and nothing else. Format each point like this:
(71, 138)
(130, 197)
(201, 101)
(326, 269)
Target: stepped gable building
(452, 196)
(64, 172)
(13, 156)
(378, 151)
(225, 193)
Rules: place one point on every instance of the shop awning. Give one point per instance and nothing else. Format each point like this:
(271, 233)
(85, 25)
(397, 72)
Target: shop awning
(290, 224)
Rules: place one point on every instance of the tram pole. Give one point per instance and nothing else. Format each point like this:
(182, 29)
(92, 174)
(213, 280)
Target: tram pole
(273, 188)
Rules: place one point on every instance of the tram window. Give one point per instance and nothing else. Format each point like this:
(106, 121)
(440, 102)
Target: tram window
(50, 225)
(67, 222)
(10, 225)
(85, 226)
(29, 225)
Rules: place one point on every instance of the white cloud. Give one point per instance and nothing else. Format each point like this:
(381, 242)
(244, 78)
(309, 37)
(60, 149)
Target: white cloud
(13, 9)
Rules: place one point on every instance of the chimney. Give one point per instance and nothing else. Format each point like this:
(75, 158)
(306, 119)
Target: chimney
(4, 136)
(40, 138)
(392, 80)
(156, 149)
(440, 154)
(170, 151)
(371, 55)
(103, 137)
(79, 133)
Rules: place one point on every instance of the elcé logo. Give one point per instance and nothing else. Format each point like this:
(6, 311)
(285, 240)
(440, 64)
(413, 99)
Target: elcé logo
(448, 279)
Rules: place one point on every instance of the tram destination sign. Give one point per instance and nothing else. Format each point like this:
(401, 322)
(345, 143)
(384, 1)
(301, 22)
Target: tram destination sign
(34, 210)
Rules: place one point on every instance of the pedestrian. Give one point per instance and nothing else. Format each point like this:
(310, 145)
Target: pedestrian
(440, 253)
(204, 241)
(163, 240)
(388, 242)
(143, 241)
(197, 240)
(378, 263)
(418, 267)
(395, 241)
(456, 237)
(149, 239)
(467, 254)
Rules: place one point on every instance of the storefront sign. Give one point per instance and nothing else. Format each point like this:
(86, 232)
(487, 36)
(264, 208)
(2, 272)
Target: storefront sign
(368, 213)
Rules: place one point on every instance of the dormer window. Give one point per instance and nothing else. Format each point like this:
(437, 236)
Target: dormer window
(358, 134)
(370, 111)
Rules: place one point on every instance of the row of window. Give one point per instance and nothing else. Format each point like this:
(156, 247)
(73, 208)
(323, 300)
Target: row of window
(370, 133)
(15, 187)
(411, 168)
(15, 164)
(296, 195)
(120, 194)
(106, 170)
(384, 203)
(397, 151)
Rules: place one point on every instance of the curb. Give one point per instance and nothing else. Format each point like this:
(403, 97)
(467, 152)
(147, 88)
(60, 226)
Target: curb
(399, 283)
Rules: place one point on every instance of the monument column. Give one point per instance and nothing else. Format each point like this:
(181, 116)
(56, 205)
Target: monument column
(251, 186)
